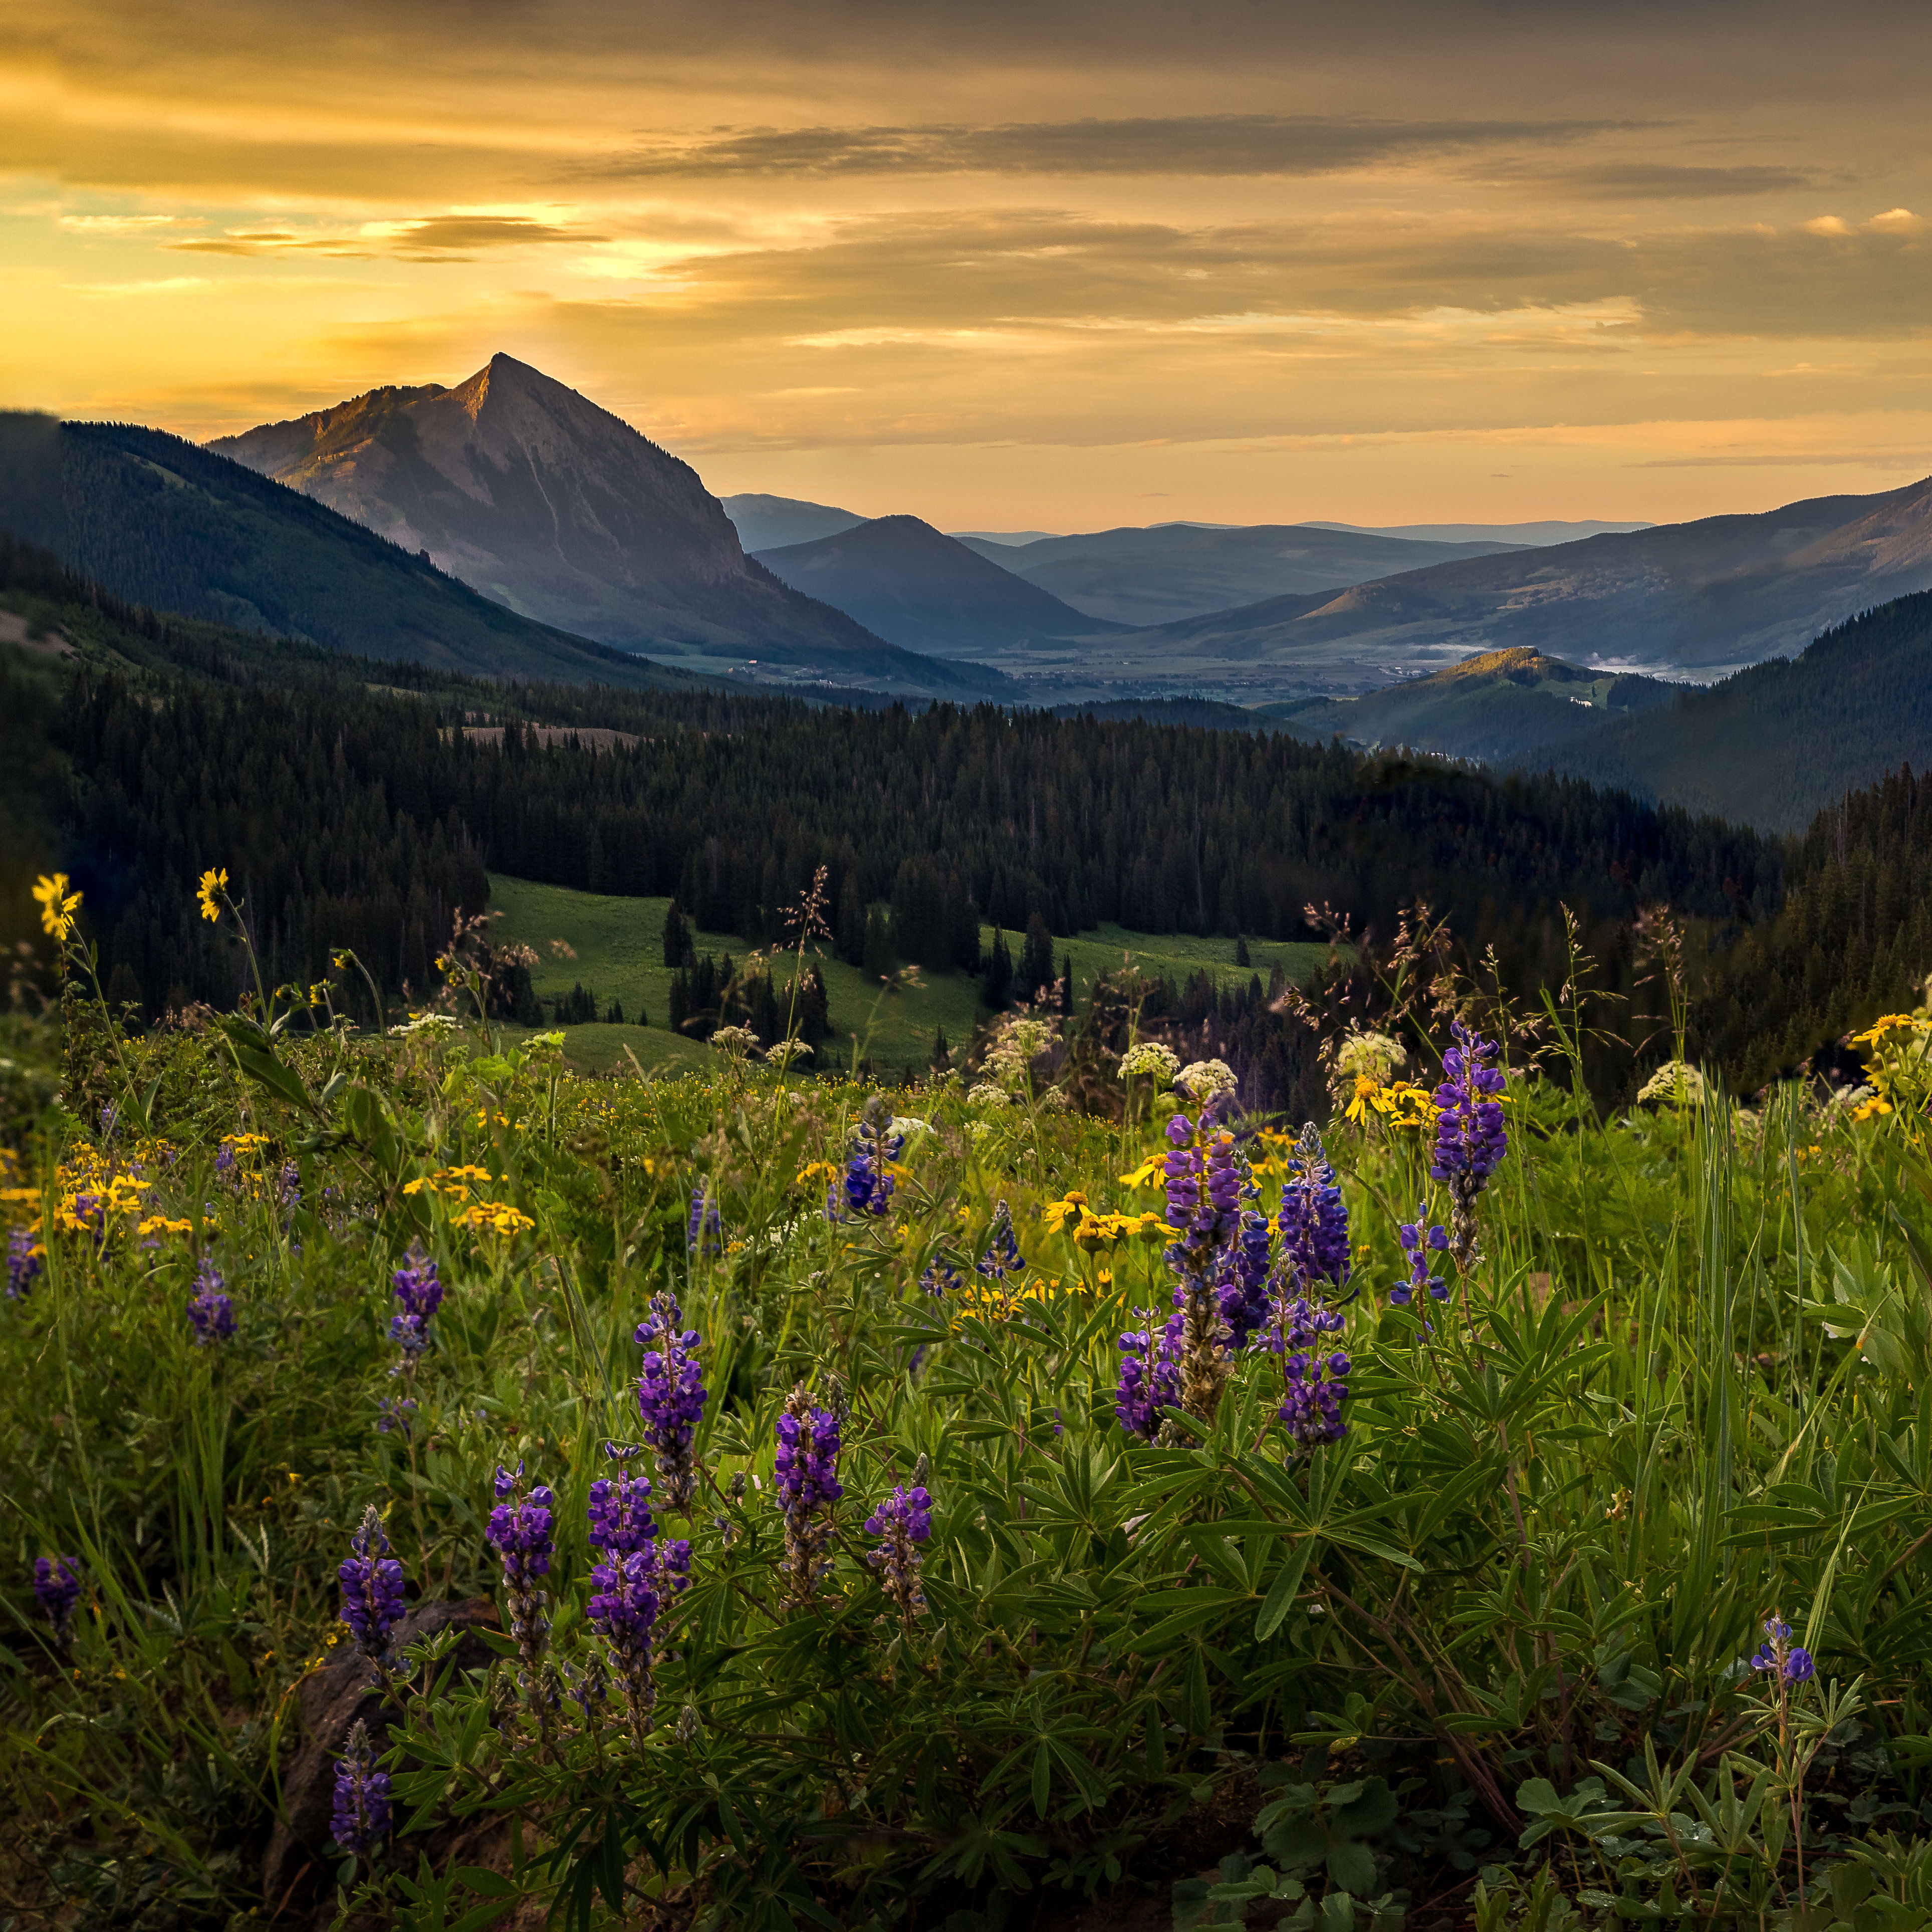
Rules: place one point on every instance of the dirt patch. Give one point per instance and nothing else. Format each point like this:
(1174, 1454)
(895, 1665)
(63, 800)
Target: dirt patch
(49, 643)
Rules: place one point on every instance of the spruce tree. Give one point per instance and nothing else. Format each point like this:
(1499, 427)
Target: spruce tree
(1036, 959)
(999, 982)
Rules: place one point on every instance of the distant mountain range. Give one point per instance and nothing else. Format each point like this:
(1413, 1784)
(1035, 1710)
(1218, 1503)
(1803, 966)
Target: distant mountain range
(1503, 533)
(920, 588)
(1143, 577)
(562, 512)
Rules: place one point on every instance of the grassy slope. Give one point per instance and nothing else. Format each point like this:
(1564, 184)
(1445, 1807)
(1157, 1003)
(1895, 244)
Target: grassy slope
(619, 947)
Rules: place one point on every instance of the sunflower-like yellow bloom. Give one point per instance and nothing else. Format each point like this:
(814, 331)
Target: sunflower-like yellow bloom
(58, 905)
(211, 883)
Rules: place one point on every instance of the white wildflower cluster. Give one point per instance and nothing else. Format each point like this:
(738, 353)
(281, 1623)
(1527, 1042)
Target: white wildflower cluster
(1843, 1101)
(1676, 1082)
(1204, 1078)
(782, 1053)
(1017, 1044)
(737, 1041)
(1149, 1057)
(908, 1127)
(987, 1099)
(1373, 1056)
(430, 1023)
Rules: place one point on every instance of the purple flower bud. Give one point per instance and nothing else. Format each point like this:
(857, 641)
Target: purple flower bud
(900, 1523)
(629, 1590)
(1314, 1221)
(1419, 1241)
(704, 1229)
(520, 1532)
(24, 1260)
(1002, 1255)
(362, 1806)
(619, 1511)
(1150, 1380)
(57, 1590)
(211, 1313)
(868, 1182)
(806, 1477)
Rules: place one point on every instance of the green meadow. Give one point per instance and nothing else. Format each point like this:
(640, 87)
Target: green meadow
(616, 948)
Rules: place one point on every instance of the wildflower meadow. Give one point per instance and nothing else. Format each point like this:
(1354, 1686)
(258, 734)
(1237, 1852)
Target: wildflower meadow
(446, 1492)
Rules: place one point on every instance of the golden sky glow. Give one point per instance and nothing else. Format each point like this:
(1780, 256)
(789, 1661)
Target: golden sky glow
(1004, 266)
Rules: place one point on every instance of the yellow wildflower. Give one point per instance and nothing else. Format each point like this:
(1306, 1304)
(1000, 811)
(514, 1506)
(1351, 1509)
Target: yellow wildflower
(1144, 1175)
(58, 905)
(212, 882)
(495, 1217)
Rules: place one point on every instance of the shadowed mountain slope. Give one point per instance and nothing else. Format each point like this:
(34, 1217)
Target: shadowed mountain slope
(916, 585)
(771, 522)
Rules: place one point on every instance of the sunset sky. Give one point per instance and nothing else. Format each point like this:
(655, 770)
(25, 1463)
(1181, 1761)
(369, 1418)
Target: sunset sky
(1051, 265)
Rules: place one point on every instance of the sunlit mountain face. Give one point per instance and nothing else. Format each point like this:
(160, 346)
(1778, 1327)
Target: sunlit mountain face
(1059, 268)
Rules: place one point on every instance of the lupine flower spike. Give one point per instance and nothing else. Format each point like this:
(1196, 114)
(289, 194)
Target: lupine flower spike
(1150, 1379)
(807, 1480)
(867, 1185)
(900, 1523)
(1315, 1378)
(419, 1289)
(1204, 1201)
(372, 1588)
(629, 1590)
(620, 1510)
(24, 1257)
(1788, 1663)
(1419, 1241)
(361, 1796)
(1471, 1138)
(211, 1314)
(57, 1590)
(1002, 1255)
(670, 1397)
(1314, 1219)
(704, 1230)
(519, 1533)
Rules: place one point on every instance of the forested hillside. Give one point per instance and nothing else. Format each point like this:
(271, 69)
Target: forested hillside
(1776, 744)
(366, 813)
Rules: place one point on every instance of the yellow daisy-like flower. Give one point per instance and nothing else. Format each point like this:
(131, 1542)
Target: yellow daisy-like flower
(212, 882)
(58, 905)
(495, 1217)
(1148, 1172)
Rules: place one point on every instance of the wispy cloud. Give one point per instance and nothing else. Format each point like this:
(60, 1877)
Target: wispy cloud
(1196, 144)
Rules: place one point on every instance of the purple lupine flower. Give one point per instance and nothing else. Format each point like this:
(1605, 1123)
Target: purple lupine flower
(671, 1396)
(372, 1588)
(900, 1523)
(395, 1415)
(1471, 1138)
(24, 1261)
(620, 1511)
(110, 1119)
(629, 1592)
(224, 1158)
(704, 1229)
(868, 1182)
(210, 1312)
(1419, 1240)
(288, 1191)
(418, 1287)
(1204, 1179)
(1150, 1379)
(1789, 1663)
(941, 1277)
(1001, 1257)
(361, 1796)
(520, 1532)
(57, 1590)
(1243, 1285)
(1314, 1219)
(1315, 1378)
(807, 1480)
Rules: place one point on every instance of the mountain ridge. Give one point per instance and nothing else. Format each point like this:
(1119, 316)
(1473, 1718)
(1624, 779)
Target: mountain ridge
(545, 501)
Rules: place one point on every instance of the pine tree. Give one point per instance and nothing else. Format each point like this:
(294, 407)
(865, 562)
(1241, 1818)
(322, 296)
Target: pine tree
(879, 957)
(677, 947)
(999, 982)
(851, 924)
(1036, 959)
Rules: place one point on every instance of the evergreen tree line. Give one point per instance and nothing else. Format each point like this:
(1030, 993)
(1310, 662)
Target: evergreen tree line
(579, 1007)
(708, 992)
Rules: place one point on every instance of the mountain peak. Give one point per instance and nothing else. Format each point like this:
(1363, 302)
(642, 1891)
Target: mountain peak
(530, 493)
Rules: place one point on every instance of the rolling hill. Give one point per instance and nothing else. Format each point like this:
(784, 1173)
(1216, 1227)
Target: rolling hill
(921, 588)
(561, 511)
(1497, 707)
(1145, 578)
